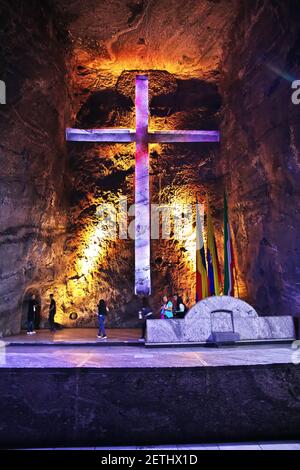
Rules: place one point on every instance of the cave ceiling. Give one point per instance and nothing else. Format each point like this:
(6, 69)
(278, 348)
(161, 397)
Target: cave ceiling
(108, 37)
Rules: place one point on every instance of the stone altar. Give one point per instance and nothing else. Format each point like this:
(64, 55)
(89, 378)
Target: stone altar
(216, 316)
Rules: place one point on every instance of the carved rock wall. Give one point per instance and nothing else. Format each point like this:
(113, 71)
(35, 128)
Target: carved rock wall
(72, 63)
(108, 50)
(101, 174)
(32, 157)
(261, 152)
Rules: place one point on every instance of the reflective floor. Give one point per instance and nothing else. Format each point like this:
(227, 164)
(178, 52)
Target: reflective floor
(76, 336)
(44, 356)
(227, 446)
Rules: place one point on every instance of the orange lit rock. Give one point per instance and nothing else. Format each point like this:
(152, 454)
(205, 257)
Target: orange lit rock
(73, 63)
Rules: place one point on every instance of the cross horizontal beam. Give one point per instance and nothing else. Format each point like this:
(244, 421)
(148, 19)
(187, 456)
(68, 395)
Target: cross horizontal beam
(183, 136)
(128, 135)
(100, 135)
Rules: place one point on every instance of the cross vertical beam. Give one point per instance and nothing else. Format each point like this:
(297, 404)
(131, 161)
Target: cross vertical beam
(142, 189)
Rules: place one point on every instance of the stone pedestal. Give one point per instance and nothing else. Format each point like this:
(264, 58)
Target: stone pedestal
(216, 315)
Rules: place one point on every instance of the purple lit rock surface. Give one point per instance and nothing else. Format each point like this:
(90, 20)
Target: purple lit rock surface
(100, 135)
(142, 136)
(183, 136)
(129, 135)
(222, 314)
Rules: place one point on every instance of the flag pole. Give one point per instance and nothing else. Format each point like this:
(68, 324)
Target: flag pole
(201, 270)
(196, 286)
(235, 272)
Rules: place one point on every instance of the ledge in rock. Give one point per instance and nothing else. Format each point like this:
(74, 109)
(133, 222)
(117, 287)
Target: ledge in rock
(220, 314)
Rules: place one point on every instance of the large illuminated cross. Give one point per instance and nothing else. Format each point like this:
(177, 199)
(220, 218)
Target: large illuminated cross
(142, 137)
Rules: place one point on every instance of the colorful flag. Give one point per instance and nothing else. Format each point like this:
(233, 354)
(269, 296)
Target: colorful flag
(228, 255)
(201, 272)
(213, 266)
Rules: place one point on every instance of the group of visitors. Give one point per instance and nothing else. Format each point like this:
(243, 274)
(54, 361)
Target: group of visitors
(175, 308)
(169, 309)
(33, 307)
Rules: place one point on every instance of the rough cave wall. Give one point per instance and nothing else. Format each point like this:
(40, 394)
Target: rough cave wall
(32, 157)
(181, 52)
(254, 46)
(50, 237)
(261, 152)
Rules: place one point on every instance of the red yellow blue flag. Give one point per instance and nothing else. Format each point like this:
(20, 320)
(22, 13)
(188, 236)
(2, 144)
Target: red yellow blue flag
(201, 272)
(213, 266)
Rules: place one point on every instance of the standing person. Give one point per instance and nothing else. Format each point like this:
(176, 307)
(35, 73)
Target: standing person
(102, 311)
(179, 307)
(32, 309)
(52, 312)
(145, 313)
(166, 310)
(175, 298)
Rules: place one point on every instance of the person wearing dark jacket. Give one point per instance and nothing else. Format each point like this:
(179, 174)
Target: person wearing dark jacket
(32, 310)
(179, 307)
(144, 314)
(52, 312)
(102, 311)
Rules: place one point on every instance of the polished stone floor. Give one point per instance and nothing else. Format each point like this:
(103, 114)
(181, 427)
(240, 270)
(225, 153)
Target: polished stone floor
(64, 356)
(76, 336)
(283, 446)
